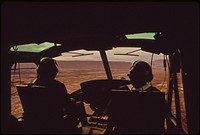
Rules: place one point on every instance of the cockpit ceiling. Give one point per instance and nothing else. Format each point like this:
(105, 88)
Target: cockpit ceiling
(86, 25)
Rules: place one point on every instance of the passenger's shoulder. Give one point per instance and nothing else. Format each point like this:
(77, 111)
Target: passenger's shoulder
(57, 82)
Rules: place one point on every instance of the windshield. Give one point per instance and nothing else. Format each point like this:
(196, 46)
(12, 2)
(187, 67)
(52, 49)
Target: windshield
(81, 65)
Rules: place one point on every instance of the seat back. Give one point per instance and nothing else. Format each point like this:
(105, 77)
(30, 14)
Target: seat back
(43, 111)
(38, 102)
(138, 112)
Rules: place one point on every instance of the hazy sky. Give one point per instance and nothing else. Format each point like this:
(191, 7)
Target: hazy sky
(146, 56)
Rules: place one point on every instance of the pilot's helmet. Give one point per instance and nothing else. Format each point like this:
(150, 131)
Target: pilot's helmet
(140, 73)
(47, 68)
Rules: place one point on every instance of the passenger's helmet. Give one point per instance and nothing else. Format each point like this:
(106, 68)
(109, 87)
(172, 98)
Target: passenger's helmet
(140, 73)
(47, 68)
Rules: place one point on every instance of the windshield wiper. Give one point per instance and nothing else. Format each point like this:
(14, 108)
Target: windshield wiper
(80, 54)
(128, 53)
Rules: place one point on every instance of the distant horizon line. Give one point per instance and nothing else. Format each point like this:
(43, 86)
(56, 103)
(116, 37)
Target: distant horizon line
(99, 61)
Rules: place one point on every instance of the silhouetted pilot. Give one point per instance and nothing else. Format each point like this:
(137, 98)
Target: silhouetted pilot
(140, 75)
(46, 73)
(133, 120)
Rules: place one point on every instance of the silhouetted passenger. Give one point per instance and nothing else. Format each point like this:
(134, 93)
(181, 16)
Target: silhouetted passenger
(140, 75)
(62, 104)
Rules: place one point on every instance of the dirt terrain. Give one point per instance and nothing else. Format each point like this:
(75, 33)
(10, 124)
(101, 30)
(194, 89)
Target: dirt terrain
(72, 73)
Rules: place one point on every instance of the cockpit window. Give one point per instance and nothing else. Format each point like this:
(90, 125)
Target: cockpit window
(121, 58)
(147, 35)
(33, 47)
(79, 66)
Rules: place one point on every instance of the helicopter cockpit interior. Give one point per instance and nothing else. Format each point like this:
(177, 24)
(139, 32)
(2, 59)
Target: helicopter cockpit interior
(166, 33)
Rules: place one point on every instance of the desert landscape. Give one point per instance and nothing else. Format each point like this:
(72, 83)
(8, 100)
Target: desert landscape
(72, 73)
